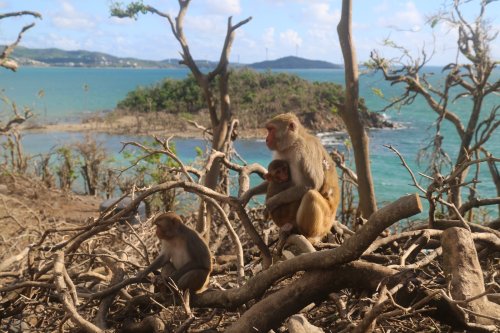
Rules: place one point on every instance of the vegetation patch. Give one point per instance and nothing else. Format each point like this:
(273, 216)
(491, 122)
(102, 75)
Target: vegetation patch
(255, 98)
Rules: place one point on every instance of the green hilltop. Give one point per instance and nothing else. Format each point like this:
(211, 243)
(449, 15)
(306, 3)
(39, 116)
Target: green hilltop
(255, 97)
(61, 58)
(295, 62)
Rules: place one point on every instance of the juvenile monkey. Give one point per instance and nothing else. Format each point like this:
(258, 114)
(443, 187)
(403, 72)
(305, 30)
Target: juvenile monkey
(184, 256)
(279, 179)
(315, 181)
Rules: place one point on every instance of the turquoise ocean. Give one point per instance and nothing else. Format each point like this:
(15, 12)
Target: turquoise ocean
(68, 94)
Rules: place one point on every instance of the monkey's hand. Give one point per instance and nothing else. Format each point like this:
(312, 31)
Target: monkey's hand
(259, 189)
(271, 204)
(291, 194)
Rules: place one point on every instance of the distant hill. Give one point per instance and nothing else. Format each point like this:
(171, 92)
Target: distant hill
(294, 62)
(57, 57)
(61, 58)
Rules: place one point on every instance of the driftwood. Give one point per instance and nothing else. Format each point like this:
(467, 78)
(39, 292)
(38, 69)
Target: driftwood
(377, 278)
(93, 269)
(313, 286)
(90, 280)
(462, 269)
(263, 316)
(326, 271)
(299, 324)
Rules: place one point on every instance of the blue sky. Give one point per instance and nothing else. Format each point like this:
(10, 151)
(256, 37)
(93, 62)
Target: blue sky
(306, 28)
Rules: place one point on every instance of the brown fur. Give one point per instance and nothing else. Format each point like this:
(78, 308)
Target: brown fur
(279, 179)
(187, 258)
(315, 181)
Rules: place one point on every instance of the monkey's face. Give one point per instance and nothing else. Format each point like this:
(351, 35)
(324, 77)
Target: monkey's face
(279, 171)
(281, 174)
(281, 134)
(167, 225)
(271, 136)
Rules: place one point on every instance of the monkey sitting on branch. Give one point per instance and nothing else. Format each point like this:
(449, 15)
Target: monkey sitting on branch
(184, 256)
(313, 174)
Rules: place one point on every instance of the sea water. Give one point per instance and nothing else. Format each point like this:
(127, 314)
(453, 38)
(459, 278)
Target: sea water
(68, 94)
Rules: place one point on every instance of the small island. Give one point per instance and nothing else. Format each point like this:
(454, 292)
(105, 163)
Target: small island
(179, 106)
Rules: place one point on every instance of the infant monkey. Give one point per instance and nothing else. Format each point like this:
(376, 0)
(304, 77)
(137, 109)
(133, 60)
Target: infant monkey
(279, 179)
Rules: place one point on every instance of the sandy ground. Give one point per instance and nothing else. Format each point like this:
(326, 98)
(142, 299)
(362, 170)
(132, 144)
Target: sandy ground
(28, 208)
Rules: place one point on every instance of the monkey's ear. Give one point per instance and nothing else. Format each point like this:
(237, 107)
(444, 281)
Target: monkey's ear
(292, 126)
(175, 222)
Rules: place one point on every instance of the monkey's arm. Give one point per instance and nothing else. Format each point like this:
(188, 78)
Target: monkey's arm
(259, 189)
(310, 175)
(159, 261)
(310, 178)
(294, 193)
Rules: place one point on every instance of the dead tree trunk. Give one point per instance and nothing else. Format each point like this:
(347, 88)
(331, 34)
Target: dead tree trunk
(351, 117)
(311, 287)
(220, 118)
(462, 269)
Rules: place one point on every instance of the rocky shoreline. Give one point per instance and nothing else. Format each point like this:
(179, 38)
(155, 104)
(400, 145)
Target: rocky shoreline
(120, 123)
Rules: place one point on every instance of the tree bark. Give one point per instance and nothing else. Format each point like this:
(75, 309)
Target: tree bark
(350, 250)
(462, 269)
(313, 286)
(351, 117)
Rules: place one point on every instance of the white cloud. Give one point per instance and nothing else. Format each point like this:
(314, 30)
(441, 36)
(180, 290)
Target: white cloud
(201, 24)
(224, 7)
(121, 21)
(72, 23)
(321, 14)
(268, 37)
(64, 43)
(408, 18)
(381, 7)
(410, 15)
(70, 18)
(321, 21)
(290, 38)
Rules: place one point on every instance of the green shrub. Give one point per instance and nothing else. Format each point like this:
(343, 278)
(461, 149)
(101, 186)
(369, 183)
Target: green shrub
(255, 96)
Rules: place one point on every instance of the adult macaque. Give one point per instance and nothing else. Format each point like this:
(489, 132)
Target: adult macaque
(314, 176)
(184, 256)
